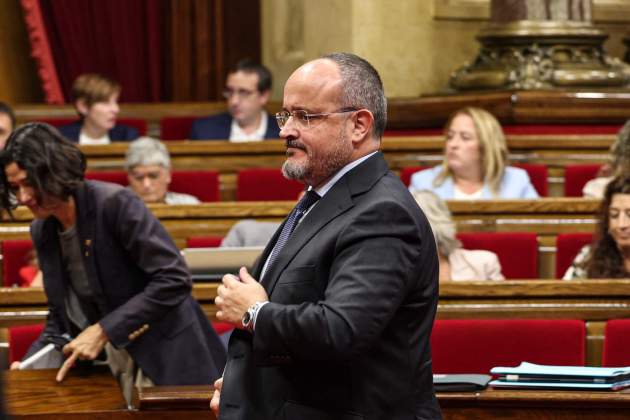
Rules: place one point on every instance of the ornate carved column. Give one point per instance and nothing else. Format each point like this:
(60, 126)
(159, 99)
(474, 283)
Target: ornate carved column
(540, 44)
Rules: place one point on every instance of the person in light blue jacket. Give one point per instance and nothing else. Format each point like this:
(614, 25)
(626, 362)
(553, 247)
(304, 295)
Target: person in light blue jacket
(474, 164)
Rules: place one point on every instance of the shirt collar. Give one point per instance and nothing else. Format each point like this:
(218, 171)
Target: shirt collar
(237, 134)
(330, 183)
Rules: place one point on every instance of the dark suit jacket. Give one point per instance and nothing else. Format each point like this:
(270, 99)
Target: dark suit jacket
(217, 127)
(142, 283)
(118, 133)
(353, 296)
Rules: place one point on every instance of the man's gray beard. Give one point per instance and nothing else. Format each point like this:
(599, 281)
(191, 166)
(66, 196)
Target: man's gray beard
(294, 171)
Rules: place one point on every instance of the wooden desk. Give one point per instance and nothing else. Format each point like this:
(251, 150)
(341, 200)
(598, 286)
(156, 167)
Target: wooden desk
(487, 404)
(36, 394)
(499, 404)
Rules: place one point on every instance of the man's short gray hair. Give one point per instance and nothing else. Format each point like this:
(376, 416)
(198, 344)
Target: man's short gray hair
(362, 88)
(147, 151)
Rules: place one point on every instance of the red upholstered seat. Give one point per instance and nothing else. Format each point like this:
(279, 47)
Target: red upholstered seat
(576, 176)
(406, 173)
(517, 251)
(477, 345)
(203, 241)
(202, 184)
(616, 343)
(567, 247)
(21, 338)
(137, 123)
(537, 175)
(266, 184)
(14, 253)
(176, 128)
(115, 177)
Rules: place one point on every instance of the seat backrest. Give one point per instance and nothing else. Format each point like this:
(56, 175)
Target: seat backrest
(477, 345)
(538, 175)
(616, 343)
(576, 176)
(266, 184)
(176, 128)
(115, 177)
(204, 241)
(14, 253)
(137, 123)
(202, 184)
(517, 251)
(567, 247)
(406, 173)
(21, 338)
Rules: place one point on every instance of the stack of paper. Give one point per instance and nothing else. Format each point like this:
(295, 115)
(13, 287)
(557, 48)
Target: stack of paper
(529, 375)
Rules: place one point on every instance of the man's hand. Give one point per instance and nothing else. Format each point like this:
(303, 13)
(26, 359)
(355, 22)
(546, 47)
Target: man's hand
(15, 365)
(87, 346)
(235, 297)
(216, 397)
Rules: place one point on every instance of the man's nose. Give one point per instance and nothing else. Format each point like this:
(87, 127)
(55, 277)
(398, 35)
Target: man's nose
(146, 182)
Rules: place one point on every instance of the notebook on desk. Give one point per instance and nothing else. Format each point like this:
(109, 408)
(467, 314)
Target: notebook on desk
(210, 264)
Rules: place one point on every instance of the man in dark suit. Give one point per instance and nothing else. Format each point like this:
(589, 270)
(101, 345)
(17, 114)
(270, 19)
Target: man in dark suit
(339, 325)
(115, 281)
(247, 91)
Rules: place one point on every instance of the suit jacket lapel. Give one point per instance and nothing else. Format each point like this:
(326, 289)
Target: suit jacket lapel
(331, 205)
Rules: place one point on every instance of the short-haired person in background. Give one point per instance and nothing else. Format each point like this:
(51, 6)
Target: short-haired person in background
(247, 91)
(609, 255)
(475, 162)
(456, 263)
(618, 165)
(95, 98)
(115, 281)
(148, 166)
(7, 123)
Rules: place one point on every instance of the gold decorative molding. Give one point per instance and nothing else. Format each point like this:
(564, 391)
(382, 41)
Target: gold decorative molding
(603, 10)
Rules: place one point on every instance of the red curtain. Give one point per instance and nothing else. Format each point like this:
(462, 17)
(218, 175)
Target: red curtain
(121, 39)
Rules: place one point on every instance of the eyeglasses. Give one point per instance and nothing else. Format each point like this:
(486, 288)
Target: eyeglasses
(239, 93)
(303, 118)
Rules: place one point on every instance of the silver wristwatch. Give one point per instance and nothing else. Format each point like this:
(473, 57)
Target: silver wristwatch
(250, 316)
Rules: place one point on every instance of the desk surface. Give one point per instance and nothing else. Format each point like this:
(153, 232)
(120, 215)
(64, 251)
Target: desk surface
(36, 394)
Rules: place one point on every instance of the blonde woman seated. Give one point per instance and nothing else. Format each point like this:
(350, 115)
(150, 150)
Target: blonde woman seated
(475, 160)
(609, 255)
(456, 263)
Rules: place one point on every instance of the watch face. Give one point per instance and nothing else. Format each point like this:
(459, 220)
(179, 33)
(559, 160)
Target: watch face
(246, 318)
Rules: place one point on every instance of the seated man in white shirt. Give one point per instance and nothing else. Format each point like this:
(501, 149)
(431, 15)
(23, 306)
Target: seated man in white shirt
(247, 91)
(148, 166)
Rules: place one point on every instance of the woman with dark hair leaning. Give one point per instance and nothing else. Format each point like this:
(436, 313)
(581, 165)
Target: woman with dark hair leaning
(116, 283)
(95, 98)
(609, 255)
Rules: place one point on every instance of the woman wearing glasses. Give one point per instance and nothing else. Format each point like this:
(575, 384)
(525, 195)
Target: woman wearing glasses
(475, 162)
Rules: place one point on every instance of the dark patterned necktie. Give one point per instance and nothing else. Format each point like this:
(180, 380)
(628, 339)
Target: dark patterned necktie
(296, 214)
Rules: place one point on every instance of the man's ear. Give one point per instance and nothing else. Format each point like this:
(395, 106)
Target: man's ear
(82, 107)
(363, 123)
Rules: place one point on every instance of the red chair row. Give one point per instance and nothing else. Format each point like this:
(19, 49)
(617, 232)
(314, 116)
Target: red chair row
(202, 184)
(477, 345)
(257, 184)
